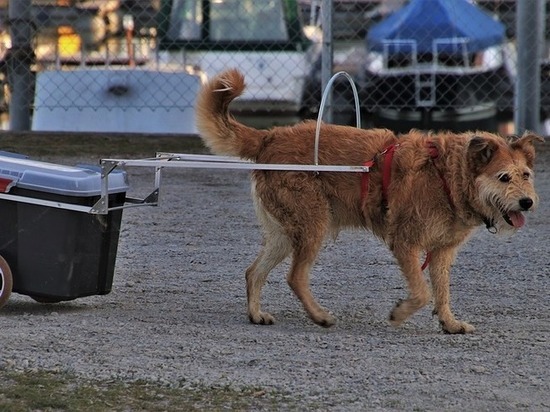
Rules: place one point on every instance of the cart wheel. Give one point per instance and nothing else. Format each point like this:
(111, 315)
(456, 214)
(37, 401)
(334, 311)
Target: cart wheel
(43, 299)
(6, 281)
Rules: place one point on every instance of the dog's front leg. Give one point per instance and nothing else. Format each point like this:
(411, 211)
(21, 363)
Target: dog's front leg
(419, 292)
(440, 267)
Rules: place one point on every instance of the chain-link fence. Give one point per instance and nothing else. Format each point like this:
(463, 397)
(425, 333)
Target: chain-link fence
(91, 64)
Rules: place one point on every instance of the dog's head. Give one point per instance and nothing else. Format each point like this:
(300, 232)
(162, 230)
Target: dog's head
(504, 179)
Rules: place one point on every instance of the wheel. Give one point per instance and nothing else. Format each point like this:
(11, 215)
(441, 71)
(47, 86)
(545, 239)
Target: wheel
(6, 281)
(43, 299)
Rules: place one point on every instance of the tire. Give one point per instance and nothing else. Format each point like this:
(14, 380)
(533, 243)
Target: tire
(6, 281)
(43, 299)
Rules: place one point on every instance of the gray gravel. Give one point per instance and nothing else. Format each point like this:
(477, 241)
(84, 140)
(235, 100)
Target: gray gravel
(177, 312)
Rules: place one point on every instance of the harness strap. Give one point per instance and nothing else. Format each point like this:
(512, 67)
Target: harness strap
(426, 261)
(386, 170)
(386, 180)
(386, 174)
(365, 182)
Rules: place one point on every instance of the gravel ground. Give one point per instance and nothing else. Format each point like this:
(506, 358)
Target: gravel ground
(177, 312)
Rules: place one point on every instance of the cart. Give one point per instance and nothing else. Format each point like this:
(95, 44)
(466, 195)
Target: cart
(51, 250)
(60, 225)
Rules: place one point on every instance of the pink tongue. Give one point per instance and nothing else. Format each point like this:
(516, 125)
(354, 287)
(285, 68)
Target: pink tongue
(518, 220)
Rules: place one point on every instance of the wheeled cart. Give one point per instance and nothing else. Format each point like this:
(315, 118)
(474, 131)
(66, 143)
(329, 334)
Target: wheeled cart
(52, 248)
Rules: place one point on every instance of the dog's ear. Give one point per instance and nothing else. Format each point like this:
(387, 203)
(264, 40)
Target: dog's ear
(526, 144)
(480, 151)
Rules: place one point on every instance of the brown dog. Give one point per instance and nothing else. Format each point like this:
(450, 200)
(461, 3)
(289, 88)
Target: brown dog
(424, 193)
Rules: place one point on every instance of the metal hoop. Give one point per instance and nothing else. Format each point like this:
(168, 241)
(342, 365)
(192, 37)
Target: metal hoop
(322, 109)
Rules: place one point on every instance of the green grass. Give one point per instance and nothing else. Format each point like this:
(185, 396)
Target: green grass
(50, 391)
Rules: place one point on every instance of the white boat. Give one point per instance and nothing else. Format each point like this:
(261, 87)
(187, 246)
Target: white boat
(264, 39)
(115, 99)
(196, 39)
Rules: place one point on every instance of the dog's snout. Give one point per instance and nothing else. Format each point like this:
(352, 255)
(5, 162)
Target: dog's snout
(526, 203)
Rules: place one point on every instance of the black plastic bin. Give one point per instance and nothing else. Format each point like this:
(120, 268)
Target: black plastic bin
(54, 253)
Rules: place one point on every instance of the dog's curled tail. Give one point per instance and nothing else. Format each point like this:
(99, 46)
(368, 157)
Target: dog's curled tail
(218, 129)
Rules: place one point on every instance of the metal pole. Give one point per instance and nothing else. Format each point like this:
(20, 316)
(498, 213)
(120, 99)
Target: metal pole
(19, 60)
(327, 54)
(529, 29)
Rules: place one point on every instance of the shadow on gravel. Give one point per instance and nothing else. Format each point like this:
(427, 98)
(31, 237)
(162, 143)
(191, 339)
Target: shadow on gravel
(17, 308)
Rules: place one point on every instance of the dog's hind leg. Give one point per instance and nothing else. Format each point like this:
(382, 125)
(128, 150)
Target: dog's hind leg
(307, 227)
(276, 247)
(297, 222)
(419, 292)
(298, 280)
(440, 264)
(307, 239)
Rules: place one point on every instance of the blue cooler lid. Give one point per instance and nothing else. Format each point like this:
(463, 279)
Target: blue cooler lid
(83, 181)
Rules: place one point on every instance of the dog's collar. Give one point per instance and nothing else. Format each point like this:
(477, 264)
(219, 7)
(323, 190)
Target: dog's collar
(489, 224)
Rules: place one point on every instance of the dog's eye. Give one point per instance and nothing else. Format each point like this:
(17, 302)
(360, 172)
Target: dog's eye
(504, 178)
(526, 175)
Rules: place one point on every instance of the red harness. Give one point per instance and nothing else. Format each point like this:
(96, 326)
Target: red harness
(386, 179)
(386, 174)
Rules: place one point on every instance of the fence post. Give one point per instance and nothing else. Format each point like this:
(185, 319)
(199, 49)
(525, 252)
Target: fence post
(529, 29)
(327, 54)
(19, 60)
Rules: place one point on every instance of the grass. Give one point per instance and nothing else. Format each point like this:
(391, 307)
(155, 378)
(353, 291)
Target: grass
(51, 391)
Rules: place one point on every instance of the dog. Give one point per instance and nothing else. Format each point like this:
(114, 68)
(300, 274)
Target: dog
(423, 193)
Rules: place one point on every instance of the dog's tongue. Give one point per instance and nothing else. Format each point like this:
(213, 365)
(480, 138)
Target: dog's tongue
(518, 220)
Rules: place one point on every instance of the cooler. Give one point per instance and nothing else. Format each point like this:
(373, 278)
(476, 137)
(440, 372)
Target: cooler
(55, 253)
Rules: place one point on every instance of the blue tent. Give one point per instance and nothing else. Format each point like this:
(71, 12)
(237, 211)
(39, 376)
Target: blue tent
(426, 20)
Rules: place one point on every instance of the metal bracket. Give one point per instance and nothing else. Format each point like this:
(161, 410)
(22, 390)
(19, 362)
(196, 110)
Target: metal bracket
(107, 166)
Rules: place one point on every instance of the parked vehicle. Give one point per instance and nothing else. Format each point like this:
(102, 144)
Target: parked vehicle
(435, 64)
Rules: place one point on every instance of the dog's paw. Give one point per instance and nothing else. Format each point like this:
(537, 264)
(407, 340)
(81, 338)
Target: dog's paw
(456, 327)
(261, 318)
(326, 320)
(399, 313)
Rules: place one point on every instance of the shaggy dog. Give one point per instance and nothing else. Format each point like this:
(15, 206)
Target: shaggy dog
(424, 193)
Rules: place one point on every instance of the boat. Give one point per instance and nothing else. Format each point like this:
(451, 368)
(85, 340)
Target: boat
(436, 64)
(115, 99)
(264, 39)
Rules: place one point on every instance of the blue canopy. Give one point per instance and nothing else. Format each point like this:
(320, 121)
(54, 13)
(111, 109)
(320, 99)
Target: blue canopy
(424, 21)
